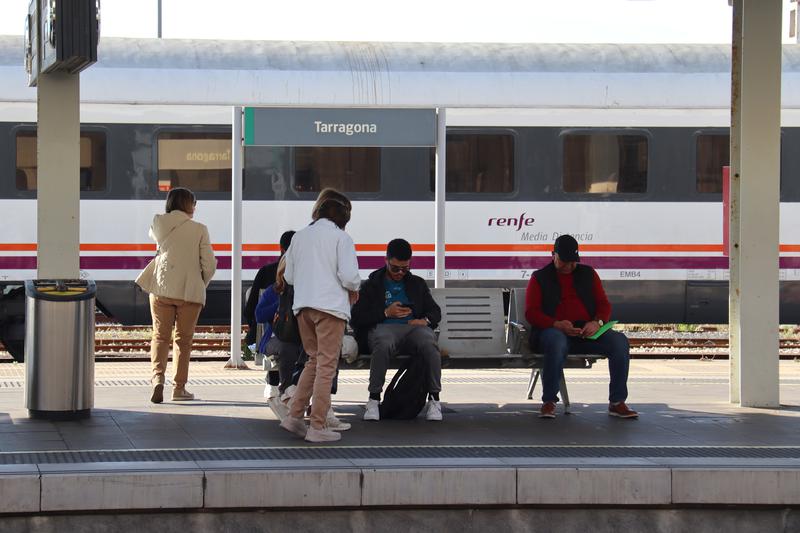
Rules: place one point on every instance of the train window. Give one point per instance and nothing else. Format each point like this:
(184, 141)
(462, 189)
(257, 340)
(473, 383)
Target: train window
(92, 161)
(345, 169)
(605, 163)
(713, 153)
(477, 163)
(200, 161)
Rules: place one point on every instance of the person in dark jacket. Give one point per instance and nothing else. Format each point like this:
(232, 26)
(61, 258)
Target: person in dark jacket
(264, 278)
(565, 303)
(397, 314)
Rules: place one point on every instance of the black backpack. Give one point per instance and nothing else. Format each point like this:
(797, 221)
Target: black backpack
(285, 324)
(407, 392)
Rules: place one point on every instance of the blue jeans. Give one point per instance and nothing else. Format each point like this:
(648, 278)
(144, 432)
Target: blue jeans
(555, 345)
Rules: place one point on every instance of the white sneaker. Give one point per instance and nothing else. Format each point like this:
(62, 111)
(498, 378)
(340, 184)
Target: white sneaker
(434, 411)
(294, 425)
(271, 391)
(289, 392)
(322, 435)
(334, 423)
(279, 408)
(373, 411)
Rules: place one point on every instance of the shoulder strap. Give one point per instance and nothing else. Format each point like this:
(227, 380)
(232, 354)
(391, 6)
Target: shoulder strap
(170, 234)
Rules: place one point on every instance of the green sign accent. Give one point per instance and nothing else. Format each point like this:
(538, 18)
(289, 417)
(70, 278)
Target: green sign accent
(249, 125)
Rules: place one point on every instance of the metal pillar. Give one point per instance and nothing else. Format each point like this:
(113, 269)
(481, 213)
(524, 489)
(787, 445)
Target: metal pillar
(755, 202)
(58, 171)
(160, 12)
(235, 360)
(441, 184)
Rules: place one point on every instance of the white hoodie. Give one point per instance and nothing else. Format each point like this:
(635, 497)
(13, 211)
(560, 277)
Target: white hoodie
(185, 262)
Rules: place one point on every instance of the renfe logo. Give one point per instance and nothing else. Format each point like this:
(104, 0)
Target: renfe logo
(517, 222)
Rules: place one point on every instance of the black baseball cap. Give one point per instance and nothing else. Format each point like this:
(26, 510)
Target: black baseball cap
(567, 248)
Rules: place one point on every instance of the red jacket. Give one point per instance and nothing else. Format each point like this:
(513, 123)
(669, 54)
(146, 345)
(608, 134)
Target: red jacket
(570, 307)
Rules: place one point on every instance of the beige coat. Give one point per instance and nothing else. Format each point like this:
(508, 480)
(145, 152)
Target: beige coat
(185, 262)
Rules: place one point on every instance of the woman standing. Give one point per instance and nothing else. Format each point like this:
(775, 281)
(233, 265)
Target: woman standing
(321, 264)
(176, 280)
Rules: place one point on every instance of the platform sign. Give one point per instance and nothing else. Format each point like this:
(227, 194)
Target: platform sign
(270, 126)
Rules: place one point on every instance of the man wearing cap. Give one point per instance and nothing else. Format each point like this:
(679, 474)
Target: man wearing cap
(565, 303)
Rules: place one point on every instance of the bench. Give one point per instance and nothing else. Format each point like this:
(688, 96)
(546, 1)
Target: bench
(518, 332)
(473, 326)
(473, 323)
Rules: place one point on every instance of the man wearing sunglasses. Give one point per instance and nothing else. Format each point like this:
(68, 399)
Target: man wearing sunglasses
(396, 314)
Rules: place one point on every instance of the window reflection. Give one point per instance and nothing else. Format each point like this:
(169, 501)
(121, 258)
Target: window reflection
(200, 161)
(346, 169)
(92, 172)
(605, 163)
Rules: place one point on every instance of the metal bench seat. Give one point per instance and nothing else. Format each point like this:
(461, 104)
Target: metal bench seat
(473, 323)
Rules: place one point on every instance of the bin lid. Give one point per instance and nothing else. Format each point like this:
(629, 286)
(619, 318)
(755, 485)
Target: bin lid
(61, 290)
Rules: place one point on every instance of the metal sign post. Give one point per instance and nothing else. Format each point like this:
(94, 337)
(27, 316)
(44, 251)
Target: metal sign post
(236, 360)
(441, 191)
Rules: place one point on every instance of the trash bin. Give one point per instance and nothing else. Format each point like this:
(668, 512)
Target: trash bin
(59, 348)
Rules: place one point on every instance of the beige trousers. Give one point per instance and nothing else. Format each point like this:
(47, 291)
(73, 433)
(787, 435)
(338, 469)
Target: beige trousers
(169, 313)
(321, 334)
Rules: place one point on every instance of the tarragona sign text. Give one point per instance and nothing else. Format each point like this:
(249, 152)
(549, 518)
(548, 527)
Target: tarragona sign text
(345, 128)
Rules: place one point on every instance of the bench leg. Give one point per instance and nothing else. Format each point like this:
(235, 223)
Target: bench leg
(564, 394)
(532, 382)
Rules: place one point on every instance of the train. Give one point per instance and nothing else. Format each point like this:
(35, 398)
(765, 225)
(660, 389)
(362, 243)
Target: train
(622, 146)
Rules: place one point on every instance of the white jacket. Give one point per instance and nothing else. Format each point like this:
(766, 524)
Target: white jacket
(321, 263)
(185, 262)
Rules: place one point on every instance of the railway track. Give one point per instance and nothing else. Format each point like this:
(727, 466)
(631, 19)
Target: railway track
(133, 342)
(640, 346)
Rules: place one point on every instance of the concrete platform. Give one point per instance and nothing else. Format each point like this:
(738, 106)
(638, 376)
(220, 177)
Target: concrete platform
(226, 452)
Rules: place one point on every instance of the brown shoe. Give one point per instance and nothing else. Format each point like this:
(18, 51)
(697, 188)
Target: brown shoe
(548, 410)
(181, 395)
(158, 393)
(621, 410)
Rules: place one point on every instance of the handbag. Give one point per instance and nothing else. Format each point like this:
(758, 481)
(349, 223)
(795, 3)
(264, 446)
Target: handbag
(285, 325)
(146, 278)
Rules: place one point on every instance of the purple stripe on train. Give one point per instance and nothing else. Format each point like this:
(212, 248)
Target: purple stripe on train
(463, 262)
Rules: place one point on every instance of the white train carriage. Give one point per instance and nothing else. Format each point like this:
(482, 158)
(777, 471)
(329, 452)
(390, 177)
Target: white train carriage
(621, 146)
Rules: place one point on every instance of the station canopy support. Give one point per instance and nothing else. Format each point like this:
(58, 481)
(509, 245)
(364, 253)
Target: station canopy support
(310, 126)
(755, 203)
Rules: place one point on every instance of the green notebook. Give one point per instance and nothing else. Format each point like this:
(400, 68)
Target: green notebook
(605, 327)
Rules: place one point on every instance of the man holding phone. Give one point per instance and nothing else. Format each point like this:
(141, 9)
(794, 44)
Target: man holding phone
(566, 305)
(397, 314)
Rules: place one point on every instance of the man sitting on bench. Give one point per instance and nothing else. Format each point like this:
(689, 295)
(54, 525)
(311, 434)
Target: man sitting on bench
(395, 314)
(565, 303)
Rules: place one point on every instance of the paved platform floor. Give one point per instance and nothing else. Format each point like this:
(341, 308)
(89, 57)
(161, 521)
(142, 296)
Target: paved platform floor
(682, 403)
(225, 451)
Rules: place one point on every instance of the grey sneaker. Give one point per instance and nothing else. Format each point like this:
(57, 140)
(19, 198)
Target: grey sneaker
(373, 411)
(279, 408)
(434, 411)
(294, 425)
(322, 435)
(334, 423)
(181, 395)
(289, 392)
(158, 393)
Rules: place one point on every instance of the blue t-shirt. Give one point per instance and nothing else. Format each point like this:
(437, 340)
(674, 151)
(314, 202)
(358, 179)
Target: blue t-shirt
(395, 291)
